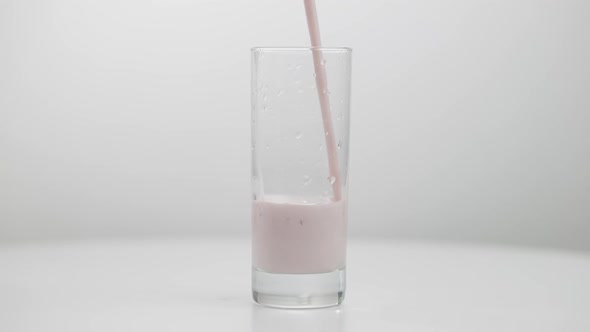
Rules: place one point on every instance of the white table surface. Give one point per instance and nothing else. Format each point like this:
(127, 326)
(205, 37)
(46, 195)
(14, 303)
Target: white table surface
(204, 285)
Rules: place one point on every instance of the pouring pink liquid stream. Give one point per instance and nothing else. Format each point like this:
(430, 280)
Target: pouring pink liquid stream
(291, 237)
(322, 85)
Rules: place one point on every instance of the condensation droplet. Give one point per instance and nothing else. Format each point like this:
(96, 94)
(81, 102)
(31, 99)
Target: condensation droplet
(253, 122)
(306, 180)
(324, 62)
(326, 92)
(298, 67)
(298, 135)
(327, 133)
(339, 144)
(297, 82)
(254, 197)
(300, 90)
(331, 179)
(321, 147)
(314, 74)
(280, 93)
(267, 146)
(253, 147)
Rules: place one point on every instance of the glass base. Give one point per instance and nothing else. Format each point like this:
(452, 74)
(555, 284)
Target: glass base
(313, 290)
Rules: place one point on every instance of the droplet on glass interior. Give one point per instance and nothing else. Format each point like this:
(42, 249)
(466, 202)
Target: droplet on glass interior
(298, 135)
(280, 93)
(331, 179)
(267, 146)
(306, 180)
(339, 144)
(254, 197)
(298, 67)
(324, 62)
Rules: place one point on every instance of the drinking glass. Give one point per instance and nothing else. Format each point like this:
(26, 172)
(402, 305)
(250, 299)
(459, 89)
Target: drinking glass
(300, 144)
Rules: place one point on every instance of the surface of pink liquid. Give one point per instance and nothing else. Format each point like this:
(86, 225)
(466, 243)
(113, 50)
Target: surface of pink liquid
(293, 236)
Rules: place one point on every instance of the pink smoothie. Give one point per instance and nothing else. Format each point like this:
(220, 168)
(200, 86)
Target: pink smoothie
(293, 236)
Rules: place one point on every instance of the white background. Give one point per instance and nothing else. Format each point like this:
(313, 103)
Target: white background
(470, 118)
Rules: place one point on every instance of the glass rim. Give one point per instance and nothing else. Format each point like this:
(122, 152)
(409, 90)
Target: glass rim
(300, 49)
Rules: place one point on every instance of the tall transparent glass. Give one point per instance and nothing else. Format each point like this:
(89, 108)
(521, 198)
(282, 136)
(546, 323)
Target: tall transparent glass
(300, 142)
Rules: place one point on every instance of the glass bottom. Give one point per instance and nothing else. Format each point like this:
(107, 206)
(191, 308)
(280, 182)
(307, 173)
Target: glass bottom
(313, 290)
